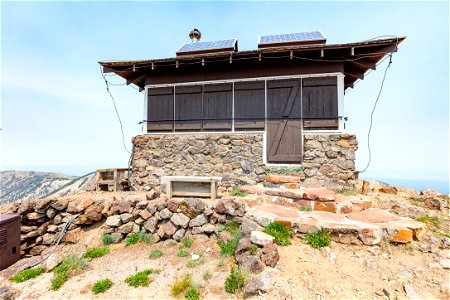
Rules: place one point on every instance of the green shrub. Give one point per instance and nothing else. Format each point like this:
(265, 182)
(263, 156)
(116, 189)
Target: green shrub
(192, 294)
(102, 286)
(430, 220)
(279, 232)
(96, 252)
(140, 278)
(305, 208)
(318, 239)
(348, 192)
(135, 237)
(182, 252)
(253, 249)
(236, 191)
(443, 233)
(27, 274)
(235, 280)
(181, 285)
(155, 254)
(207, 275)
(229, 248)
(66, 269)
(231, 226)
(187, 241)
(107, 239)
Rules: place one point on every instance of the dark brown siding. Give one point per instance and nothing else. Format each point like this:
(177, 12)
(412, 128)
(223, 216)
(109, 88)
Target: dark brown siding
(217, 106)
(160, 109)
(249, 107)
(188, 106)
(284, 132)
(320, 98)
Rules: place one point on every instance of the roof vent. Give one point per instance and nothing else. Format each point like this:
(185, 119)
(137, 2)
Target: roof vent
(223, 46)
(291, 39)
(195, 35)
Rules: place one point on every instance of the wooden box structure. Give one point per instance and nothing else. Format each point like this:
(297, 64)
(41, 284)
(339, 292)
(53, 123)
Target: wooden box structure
(191, 186)
(9, 240)
(112, 180)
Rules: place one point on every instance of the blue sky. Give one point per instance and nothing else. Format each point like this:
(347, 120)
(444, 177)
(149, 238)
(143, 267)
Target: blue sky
(57, 116)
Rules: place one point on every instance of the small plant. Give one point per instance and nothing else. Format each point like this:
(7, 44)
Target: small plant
(229, 248)
(102, 286)
(235, 280)
(96, 252)
(253, 249)
(305, 208)
(182, 252)
(348, 191)
(66, 269)
(187, 241)
(155, 254)
(237, 192)
(137, 237)
(443, 233)
(318, 239)
(192, 294)
(221, 261)
(279, 232)
(181, 285)
(140, 278)
(27, 274)
(107, 239)
(231, 226)
(206, 275)
(193, 263)
(430, 220)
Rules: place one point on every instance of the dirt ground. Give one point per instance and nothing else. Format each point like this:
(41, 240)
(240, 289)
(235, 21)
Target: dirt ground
(336, 272)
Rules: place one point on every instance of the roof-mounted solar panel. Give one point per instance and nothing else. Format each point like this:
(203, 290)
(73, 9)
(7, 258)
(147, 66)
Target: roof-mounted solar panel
(291, 39)
(208, 47)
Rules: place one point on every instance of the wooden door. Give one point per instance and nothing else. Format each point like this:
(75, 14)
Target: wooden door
(284, 128)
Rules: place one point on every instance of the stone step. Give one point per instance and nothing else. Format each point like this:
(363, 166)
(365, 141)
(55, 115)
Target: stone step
(368, 227)
(316, 194)
(272, 178)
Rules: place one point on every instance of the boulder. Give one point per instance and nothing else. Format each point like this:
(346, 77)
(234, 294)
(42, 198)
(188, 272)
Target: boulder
(145, 214)
(260, 238)
(172, 205)
(26, 207)
(116, 237)
(51, 212)
(126, 217)
(243, 245)
(270, 255)
(199, 220)
(180, 219)
(150, 224)
(192, 207)
(94, 212)
(197, 230)
(167, 229)
(179, 234)
(73, 236)
(208, 228)
(259, 284)
(79, 205)
(247, 226)
(142, 204)
(114, 221)
(231, 207)
(52, 261)
(125, 228)
(165, 214)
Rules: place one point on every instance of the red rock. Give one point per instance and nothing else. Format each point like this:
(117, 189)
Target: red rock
(73, 236)
(319, 195)
(270, 255)
(253, 189)
(397, 233)
(286, 222)
(372, 216)
(325, 206)
(418, 228)
(278, 210)
(145, 214)
(76, 206)
(282, 179)
(324, 216)
(94, 212)
(291, 185)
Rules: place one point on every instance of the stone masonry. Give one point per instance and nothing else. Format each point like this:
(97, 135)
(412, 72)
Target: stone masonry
(236, 157)
(328, 159)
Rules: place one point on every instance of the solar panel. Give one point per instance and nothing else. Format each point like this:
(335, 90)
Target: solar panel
(207, 47)
(299, 38)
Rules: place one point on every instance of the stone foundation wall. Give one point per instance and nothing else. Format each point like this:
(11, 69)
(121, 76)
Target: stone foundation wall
(236, 157)
(329, 160)
(42, 220)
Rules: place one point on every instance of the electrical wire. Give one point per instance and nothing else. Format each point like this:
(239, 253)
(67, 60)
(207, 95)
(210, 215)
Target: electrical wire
(371, 115)
(56, 242)
(115, 108)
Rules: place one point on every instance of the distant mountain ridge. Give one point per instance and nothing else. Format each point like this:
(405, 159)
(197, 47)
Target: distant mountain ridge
(24, 185)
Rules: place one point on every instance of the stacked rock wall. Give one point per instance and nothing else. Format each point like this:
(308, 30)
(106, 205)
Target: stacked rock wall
(328, 159)
(236, 157)
(42, 220)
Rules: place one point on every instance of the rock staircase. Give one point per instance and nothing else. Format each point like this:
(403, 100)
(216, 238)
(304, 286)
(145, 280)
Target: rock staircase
(349, 219)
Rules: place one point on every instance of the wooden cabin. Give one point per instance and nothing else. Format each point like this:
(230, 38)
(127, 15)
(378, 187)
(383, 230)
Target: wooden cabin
(288, 90)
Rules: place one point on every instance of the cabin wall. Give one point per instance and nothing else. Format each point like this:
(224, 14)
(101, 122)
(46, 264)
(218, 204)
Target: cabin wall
(328, 158)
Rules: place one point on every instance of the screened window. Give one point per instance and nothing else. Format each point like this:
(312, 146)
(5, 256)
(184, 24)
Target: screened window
(249, 105)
